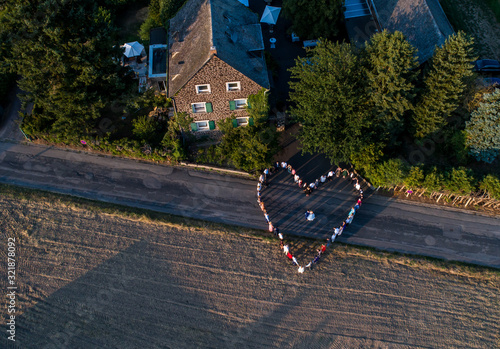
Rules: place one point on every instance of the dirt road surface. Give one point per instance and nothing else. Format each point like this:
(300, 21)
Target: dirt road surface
(87, 279)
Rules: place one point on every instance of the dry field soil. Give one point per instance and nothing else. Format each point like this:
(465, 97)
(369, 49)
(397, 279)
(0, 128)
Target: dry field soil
(88, 279)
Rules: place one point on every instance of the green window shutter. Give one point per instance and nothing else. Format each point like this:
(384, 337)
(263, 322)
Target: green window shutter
(194, 127)
(232, 105)
(192, 107)
(248, 104)
(250, 121)
(211, 125)
(208, 107)
(235, 123)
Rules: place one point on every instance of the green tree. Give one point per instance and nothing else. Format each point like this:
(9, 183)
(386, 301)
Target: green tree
(483, 129)
(258, 106)
(390, 71)
(312, 19)
(367, 156)
(65, 53)
(444, 84)
(328, 101)
(248, 148)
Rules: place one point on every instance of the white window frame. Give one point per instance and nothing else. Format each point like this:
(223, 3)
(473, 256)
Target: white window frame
(240, 106)
(233, 89)
(201, 111)
(242, 121)
(203, 127)
(209, 90)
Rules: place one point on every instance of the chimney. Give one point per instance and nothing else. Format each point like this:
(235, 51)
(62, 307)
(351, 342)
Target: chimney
(213, 50)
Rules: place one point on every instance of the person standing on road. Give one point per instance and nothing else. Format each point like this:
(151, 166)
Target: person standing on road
(322, 179)
(286, 249)
(261, 178)
(266, 216)
(308, 190)
(330, 176)
(348, 220)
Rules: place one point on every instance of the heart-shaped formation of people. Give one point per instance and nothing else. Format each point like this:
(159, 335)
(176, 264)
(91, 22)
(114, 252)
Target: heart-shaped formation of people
(309, 215)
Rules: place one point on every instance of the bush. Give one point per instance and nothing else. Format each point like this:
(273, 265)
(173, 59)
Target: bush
(434, 180)
(460, 181)
(389, 173)
(491, 186)
(415, 177)
(145, 128)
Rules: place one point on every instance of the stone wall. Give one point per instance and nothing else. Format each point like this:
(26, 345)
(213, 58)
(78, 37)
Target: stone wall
(215, 72)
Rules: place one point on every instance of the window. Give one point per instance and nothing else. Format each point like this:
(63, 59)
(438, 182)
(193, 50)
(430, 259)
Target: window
(242, 121)
(198, 107)
(233, 86)
(201, 107)
(204, 125)
(203, 89)
(238, 104)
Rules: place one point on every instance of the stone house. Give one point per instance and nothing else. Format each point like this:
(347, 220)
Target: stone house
(215, 61)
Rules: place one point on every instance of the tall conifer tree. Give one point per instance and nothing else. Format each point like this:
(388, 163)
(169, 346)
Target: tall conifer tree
(444, 84)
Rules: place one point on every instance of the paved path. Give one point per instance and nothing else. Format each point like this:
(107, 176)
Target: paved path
(382, 222)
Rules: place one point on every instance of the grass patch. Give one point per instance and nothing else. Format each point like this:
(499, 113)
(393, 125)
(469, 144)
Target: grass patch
(304, 244)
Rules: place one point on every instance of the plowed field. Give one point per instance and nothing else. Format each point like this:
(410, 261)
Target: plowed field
(88, 279)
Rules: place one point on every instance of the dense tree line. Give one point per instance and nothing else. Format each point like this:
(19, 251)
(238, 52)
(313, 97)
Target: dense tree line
(66, 56)
(366, 105)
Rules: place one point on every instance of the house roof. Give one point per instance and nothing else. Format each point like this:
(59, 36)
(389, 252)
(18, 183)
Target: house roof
(158, 36)
(225, 28)
(423, 23)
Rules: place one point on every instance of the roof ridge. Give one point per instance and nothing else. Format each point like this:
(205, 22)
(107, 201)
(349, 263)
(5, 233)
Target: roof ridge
(211, 18)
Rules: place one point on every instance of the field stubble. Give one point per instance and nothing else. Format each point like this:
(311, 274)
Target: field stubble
(89, 279)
